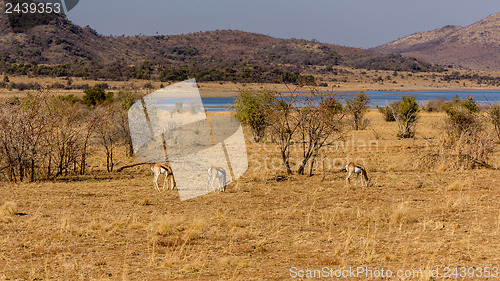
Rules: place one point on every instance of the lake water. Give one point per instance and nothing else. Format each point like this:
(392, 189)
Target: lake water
(379, 98)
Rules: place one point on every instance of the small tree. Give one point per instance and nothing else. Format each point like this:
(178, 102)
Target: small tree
(284, 121)
(108, 133)
(251, 108)
(405, 113)
(94, 96)
(65, 136)
(357, 107)
(320, 116)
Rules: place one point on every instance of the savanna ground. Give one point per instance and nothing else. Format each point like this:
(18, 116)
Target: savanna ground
(117, 227)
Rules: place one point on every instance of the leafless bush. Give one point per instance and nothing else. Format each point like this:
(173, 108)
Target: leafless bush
(87, 131)
(64, 139)
(387, 113)
(44, 137)
(41, 137)
(434, 105)
(320, 115)
(471, 149)
(284, 121)
(109, 133)
(309, 118)
(23, 126)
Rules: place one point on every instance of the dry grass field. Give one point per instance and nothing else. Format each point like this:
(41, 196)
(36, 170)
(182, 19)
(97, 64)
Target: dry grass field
(117, 227)
(348, 80)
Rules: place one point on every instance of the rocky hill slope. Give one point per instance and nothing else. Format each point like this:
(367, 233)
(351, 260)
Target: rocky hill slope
(476, 46)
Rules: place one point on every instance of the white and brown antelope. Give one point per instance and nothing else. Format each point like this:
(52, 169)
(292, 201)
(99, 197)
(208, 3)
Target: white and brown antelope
(165, 169)
(358, 169)
(217, 173)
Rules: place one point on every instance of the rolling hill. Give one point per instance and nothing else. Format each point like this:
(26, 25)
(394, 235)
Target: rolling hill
(476, 46)
(61, 48)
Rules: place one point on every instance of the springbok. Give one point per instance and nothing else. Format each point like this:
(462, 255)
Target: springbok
(217, 173)
(165, 169)
(358, 169)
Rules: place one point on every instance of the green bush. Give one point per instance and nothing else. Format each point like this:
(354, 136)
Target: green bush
(94, 96)
(109, 97)
(405, 112)
(251, 109)
(357, 107)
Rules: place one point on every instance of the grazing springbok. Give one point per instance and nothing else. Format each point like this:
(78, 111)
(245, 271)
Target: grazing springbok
(217, 173)
(358, 169)
(165, 169)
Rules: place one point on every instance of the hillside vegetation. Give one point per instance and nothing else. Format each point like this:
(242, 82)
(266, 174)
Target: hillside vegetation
(61, 48)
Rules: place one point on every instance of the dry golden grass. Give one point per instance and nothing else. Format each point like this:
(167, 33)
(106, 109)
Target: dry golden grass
(7, 211)
(117, 227)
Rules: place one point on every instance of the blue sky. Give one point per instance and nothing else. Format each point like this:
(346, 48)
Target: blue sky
(355, 23)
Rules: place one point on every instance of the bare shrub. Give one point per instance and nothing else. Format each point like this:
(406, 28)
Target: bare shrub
(126, 99)
(309, 118)
(320, 115)
(23, 127)
(108, 132)
(284, 121)
(64, 138)
(466, 144)
(434, 105)
(42, 137)
(87, 131)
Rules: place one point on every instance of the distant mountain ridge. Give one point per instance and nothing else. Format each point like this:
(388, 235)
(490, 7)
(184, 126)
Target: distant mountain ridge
(61, 48)
(476, 46)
